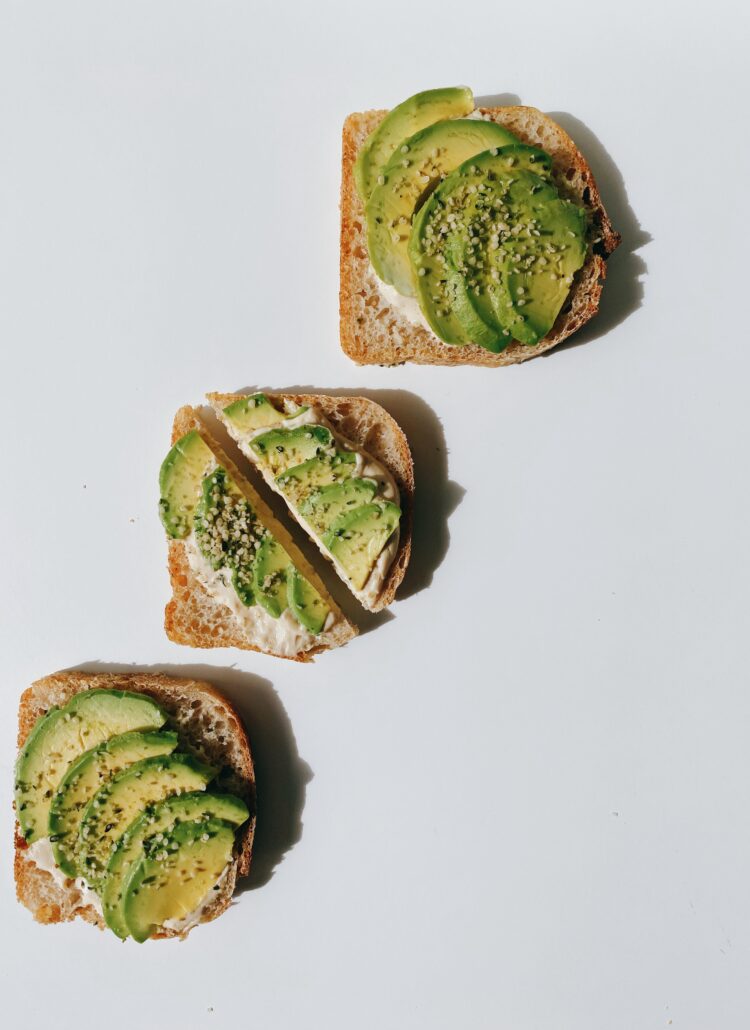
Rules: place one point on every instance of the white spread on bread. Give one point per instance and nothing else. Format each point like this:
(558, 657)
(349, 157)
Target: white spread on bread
(366, 467)
(407, 307)
(284, 636)
(40, 854)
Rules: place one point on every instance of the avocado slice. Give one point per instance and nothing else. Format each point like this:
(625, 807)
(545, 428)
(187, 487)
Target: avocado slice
(300, 480)
(281, 449)
(305, 602)
(176, 872)
(328, 503)
(156, 819)
(256, 412)
(179, 482)
(537, 273)
(357, 537)
(408, 178)
(60, 736)
(85, 776)
(419, 111)
(456, 233)
(116, 804)
(269, 576)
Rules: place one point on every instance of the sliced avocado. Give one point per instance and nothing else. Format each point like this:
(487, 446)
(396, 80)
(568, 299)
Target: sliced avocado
(300, 480)
(488, 218)
(227, 531)
(60, 736)
(175, 874)
(157, 819)
(179, 482)
(116, 804)
(281, 449)
(456, 233)
(269, 575)
(537, 273)
(408, 179)
(328, 503)
(86, 775)
(472, 245)
(403, 121)
(356, 538)
(305, 602)
(256, 412)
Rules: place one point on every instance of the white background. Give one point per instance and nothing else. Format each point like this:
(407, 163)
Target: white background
(523, 802)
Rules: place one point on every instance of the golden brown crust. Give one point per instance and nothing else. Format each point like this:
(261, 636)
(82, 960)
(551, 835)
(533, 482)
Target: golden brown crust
(373, 430)
(208, 723)
(192, 616)
(373, 333)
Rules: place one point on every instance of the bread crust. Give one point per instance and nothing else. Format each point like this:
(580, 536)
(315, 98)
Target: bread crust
(373, 430)
(192, 616)
(373, 333)
(187, 702)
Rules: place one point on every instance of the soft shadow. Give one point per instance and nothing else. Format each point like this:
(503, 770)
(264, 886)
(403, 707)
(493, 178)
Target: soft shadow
(498, 100)
(436, 496)
(281, 777)
(624, 289)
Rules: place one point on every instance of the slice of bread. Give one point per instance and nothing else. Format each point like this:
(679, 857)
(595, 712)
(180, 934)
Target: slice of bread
(373, 333)
(208, 726)
(366, 427)
(193, 616)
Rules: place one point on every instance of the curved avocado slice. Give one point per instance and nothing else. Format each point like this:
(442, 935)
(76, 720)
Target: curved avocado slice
(269, 576)
(116, 804)
(455, 238)
(537, 272)
(419, 111)
(256, 412)
(329, 503)
(304, 600)
(175, 874)
(300, 480)
(408, 178)
(60, 736)
(179, 482)
(156, 819)
(85, 776)
(356, 538)
(281, 449)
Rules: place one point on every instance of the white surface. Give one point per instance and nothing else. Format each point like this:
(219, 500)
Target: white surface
(530, 789)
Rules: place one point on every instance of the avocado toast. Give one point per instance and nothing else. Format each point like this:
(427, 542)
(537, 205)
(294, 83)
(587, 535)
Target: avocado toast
(238, 579)
(344, 468)
(468, 236)
(135, 802)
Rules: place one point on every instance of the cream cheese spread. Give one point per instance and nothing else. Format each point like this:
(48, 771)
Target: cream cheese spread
(40, 853)
(366, 467)
(284, 636)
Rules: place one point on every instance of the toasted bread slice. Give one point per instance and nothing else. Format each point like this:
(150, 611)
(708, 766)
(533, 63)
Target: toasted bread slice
(369, 428)
(194, 617)
(208, 725)
(373, 333)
